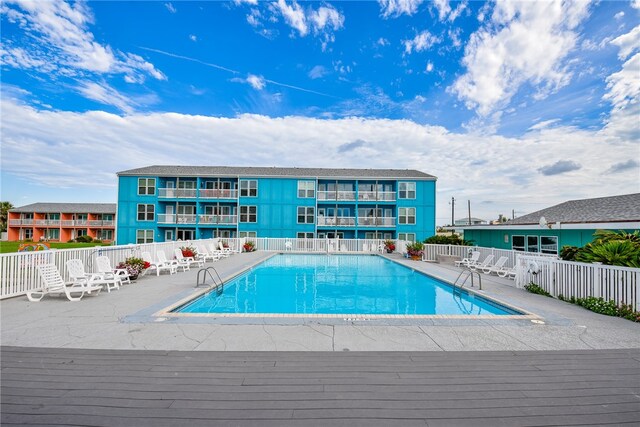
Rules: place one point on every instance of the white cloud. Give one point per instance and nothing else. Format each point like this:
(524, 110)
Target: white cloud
(193, 37)
(421, 42)
(443, 8)
(429, 67)
(382, 42)
(105, 94)
(317, 72)
(619, 15)
(170, 7)
(257, 82)
(525, 42)
(628, 43)
(395, 8)
(293, 15)
(42, 147)
(60, 43)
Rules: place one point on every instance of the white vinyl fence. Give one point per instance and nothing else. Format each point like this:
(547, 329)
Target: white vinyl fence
(580, 280)
(431, 253)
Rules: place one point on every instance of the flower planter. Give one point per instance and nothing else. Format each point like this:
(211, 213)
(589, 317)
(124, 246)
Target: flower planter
(415, 257)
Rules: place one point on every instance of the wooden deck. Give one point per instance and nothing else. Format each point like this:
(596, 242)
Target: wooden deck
(52, 386)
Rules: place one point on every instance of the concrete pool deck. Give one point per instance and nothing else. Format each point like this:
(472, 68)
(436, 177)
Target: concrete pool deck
(124, 319)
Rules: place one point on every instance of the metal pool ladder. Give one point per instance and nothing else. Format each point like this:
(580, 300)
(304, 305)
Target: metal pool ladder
(463, 277)
(203, 273)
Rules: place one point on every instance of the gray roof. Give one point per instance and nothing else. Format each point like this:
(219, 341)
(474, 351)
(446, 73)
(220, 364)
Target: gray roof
(230, 171)
(99, 208)
(602, 209)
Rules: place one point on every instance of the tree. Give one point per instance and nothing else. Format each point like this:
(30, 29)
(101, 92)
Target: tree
(4, 214)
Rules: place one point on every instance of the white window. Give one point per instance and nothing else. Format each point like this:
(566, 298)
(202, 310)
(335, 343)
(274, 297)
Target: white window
(248, 214)
(306, 189)
(305, 215)
(407, 190)
(146, 186)
(28, 233)
(146, 212)
(144, 236)
(247, 234)
(52, 234)
(105, 234)
(532, 244)
(517, 243)
(549, 245)
(410, 237)
(249, 188)
(168, 235)
(406, 215)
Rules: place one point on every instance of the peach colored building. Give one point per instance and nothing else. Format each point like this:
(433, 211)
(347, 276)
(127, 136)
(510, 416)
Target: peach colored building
(61, 222)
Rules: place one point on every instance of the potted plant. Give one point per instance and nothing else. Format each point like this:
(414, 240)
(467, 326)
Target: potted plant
(390, 246)
(414, 250)
(249, 246)
(189, 252)
(134, 266)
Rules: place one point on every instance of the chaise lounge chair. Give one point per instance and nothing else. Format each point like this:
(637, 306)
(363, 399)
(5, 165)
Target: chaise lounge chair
(204, 254)
(466, 262)
(103, 264)
(159, 266)
(499, 265)
(55, 285)
(483, 264)
(186, 260)
(75, 268)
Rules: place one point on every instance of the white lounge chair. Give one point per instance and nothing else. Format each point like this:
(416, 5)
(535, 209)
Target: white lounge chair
(75, 268)
(205, 255)
(483, 264)
(162, 258)
(214, 250)
(225, 250)
(187, 260)
(509, 272)
(103, 264)
(466, 262)
(495, 267)
(159, 266)
(54, 285)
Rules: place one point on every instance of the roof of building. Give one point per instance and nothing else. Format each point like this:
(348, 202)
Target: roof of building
(602, 209)
(227, 171)
(100, 208)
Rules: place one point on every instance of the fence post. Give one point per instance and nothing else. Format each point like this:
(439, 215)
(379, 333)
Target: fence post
(596, 281)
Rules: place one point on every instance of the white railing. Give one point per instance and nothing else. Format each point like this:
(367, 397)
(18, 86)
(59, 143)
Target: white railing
(388, 221)
(14, 222)
(177, 193)
(580, 280)
(286, 244)
(338, 221)
(176, 219)
(373, 196)
(218, 219)
(218, 193)
(336, 195)
(166, 218)
(47, 222)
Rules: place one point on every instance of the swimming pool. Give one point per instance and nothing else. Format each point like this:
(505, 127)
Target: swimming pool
(299, 284)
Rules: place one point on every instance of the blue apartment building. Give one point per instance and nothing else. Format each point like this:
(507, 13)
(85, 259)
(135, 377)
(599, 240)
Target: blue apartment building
(165, 203)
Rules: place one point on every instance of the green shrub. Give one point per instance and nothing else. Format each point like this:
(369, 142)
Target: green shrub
(599, 305)
(613, 252)
(568, 253)
(84, 239)
(535, 289)
(453, 239)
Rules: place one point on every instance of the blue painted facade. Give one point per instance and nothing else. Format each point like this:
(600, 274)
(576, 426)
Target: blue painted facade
(162, 208)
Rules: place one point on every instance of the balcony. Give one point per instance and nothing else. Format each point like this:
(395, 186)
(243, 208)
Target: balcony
(377, 222)
(177, 193)
(379, 196)
(16, 222)
(338, 221)
(101, 223)
(218, 219)
(218, 194)
(48, 222)
(176, 219)
(337, 195)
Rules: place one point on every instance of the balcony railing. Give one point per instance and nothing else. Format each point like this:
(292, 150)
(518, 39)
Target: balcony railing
(338, 221)
(218, 219)
(48, 222)
(177, 193)
(386, 221)
(176, 219)
(379, 196)
(218, 194)
(20, 222)
(336, 195)
(101, 223)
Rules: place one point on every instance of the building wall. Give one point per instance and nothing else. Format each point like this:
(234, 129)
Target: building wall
(277, 205)
(501, 239)
(17, 226)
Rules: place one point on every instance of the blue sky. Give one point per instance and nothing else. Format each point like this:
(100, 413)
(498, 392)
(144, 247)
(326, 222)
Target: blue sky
(514, 105)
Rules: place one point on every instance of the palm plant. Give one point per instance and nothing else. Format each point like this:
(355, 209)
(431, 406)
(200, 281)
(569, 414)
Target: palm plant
(613, 252)
(4, 214)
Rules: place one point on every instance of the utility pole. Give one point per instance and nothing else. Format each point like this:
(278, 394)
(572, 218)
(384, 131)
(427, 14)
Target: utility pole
(469, 206)
(453, 210)
(513, 214)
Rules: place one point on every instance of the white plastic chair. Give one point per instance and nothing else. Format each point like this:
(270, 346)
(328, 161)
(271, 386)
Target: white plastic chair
(495, 267)
(159, 266)
(187, 260)
(480, 266)
(75, 268)
(466, 262)
(54, 285)
(103, 264)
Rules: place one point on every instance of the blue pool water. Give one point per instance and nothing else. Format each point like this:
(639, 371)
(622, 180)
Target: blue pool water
(338, 284)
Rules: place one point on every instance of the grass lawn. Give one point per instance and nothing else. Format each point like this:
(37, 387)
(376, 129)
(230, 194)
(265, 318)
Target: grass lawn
(6, 247)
